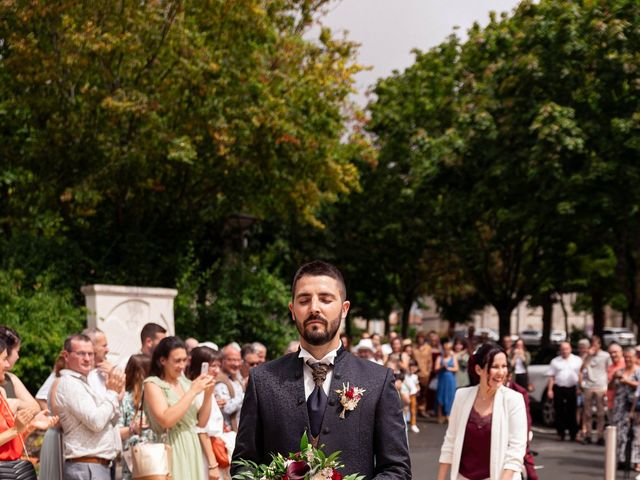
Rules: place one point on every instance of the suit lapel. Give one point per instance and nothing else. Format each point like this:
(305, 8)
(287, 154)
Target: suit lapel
(297, 387)
(341, 372)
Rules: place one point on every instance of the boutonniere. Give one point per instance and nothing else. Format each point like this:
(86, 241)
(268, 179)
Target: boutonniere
(349, 397)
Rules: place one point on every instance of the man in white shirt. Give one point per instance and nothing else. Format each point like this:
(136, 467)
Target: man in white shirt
(563, 374)
(89, 421)
(230, 386)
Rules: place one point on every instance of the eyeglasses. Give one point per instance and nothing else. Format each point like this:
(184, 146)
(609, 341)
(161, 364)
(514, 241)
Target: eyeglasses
(253, 364)
(84, 354)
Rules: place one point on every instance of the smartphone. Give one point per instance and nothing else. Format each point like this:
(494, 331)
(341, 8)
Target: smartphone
(204, 368)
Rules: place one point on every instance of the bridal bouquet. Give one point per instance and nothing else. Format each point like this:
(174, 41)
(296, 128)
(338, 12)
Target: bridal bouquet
(308, 464)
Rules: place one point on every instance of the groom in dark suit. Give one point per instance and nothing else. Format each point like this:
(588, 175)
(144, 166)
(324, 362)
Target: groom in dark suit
(297, 392)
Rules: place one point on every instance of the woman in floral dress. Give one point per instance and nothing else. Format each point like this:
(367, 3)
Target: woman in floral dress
(625, 381)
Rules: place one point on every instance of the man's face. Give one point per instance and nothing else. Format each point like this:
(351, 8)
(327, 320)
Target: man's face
(252, 360)
(565, 350)
(317, 309)
(156, 340)
(615, 352)
(81, 357)
(101, 348)
(262, 354)
(231, 361)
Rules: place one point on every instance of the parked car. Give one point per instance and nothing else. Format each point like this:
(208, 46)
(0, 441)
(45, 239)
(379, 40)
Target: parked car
(531, 337)
(489, 332)
(558, 336)
(538, 397)
(620, 335)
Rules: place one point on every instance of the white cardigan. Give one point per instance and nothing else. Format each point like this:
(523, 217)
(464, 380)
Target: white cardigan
(508, 431)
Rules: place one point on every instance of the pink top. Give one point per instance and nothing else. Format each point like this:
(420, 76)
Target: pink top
(475, 460)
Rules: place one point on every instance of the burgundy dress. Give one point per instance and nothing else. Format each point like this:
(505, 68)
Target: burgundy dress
(475, 460)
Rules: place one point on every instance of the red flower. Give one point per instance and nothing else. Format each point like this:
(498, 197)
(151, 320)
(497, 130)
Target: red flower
(297, 470)
(349, 393)
(336, 475)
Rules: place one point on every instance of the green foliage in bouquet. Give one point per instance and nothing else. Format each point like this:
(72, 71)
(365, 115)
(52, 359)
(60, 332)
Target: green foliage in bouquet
(308, 464)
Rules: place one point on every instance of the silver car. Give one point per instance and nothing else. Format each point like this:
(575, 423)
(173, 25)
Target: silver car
(622, 336)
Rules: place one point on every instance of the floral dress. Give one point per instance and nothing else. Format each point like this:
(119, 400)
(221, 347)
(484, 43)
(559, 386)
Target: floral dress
(622, 403)
(127, 415)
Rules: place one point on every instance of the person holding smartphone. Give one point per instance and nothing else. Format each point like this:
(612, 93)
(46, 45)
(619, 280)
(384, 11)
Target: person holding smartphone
(216, 438)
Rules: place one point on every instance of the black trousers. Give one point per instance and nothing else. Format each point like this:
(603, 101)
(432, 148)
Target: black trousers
(564, 404)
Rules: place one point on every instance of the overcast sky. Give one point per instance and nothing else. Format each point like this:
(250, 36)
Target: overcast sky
(388, 29)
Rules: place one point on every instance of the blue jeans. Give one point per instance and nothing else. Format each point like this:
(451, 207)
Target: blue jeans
(86, 471)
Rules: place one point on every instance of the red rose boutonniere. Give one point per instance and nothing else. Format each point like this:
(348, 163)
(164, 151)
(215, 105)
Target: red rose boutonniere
(349, 397)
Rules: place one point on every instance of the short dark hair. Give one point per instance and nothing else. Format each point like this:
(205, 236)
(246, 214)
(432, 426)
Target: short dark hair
(3, 346)
(163, 350)
(10, 337)
(150, 330)
(199, 355)
(483, 357)
(75, 337)
(248, 349)
(319, 268)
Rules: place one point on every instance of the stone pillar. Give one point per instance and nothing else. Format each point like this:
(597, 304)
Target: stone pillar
(122, 311)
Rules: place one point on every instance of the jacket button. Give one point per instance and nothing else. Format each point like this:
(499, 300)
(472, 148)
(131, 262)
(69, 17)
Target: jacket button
(300, 401)
(325, 430)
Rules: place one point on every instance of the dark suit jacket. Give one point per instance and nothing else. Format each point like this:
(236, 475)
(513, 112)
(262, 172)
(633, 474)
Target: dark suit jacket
(372, 438)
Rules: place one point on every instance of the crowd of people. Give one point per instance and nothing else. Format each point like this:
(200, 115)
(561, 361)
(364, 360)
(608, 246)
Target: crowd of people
(594, 388)
(191, 393)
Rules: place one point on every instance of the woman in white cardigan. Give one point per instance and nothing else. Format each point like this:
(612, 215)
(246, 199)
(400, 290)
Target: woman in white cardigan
(487, 433)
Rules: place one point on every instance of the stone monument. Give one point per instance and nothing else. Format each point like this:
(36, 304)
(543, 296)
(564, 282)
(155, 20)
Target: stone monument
(121, 312)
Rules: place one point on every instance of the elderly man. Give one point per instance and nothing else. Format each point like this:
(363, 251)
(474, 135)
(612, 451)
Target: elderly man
(563, 374)
(89, 420)
(261, 350)
(617, 363)
(593, 378)
(230, 386)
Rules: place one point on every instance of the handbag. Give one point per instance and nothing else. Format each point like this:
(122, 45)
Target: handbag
(220, 451)
(151, 461)
(17, 470)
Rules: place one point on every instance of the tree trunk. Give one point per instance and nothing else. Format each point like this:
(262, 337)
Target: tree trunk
(566, 317)
(406, 311)
(597, 309)
(504, 319)
(547, 318)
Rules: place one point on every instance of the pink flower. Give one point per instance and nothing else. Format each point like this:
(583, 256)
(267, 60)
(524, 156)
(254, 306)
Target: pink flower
(297, 470)
(349, 393)
(336, 475)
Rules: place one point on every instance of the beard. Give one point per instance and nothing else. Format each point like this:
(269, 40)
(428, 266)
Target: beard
(318, 336)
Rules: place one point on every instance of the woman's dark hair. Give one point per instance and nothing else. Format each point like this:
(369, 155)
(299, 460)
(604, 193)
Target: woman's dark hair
(10, 337)
(163, 350)
(199, 355)
(483, 357)
(3, 346)
(136, 371)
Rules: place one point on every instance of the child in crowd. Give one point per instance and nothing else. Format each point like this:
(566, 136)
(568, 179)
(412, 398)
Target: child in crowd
(413, 385)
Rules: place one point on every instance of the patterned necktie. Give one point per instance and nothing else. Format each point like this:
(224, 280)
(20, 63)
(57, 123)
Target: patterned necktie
(317, 401)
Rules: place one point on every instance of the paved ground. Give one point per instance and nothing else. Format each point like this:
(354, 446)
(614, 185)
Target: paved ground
(555, 460)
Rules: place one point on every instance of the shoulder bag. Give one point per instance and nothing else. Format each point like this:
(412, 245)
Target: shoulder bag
(150, 461)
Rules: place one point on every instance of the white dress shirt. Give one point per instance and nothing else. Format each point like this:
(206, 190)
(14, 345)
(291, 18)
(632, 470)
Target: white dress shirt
(89, 423)
(565, 370)
(309, 384)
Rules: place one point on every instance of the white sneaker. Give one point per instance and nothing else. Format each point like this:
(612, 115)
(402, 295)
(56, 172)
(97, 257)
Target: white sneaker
(415, 429)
